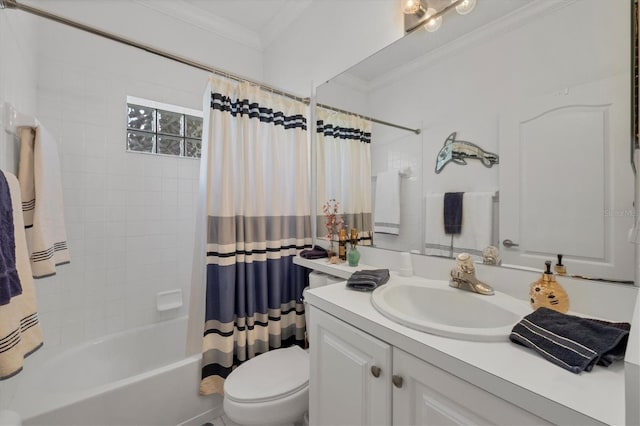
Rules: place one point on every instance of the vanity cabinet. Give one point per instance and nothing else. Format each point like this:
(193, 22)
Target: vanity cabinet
(358, 379)
(350, 374)
(428, 395)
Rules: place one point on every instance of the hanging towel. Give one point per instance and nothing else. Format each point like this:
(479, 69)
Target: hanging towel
(387, 207)
(368, 279)
(41, 189)
(453, 212)
(477, 231)
(437, 243)
(475, 235)
(20, 332)
(9, 281)
(573, 343)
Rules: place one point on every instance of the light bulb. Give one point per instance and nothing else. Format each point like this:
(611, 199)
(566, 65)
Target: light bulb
(432, 24)
(465, 7)
(410, 6)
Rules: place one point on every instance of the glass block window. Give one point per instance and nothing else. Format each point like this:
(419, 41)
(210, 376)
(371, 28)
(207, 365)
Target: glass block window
(157, 128)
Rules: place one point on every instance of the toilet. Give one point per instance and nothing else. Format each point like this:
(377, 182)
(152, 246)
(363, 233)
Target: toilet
(272, 388)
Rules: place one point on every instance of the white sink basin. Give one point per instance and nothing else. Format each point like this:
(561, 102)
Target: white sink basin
(434, 307)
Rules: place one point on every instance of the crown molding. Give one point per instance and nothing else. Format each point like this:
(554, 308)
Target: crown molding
(183, 11)
(283, 20)
(351, 81)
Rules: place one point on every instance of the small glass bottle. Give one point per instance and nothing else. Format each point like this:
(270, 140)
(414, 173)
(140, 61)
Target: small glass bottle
(354, 255)
(342, 244)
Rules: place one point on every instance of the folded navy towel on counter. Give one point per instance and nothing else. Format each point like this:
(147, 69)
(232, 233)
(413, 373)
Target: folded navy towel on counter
(368, 279)
(573, 343)
(316, 252)
(453, 212)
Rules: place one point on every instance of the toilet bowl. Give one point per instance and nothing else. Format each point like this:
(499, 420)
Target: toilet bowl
(272, 388)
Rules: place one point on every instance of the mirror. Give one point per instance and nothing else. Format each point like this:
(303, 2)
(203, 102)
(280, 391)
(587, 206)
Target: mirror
(546, 86)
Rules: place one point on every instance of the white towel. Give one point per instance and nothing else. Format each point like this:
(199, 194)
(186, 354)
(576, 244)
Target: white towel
(20, 332)
(477, 225)
(41, 189)
(437, 243)
(387, 208)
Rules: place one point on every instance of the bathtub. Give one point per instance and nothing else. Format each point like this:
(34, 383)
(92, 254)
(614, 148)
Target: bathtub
(137, 377)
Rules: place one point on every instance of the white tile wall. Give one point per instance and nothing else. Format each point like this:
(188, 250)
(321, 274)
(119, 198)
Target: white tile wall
(130, 217)
(17, 86)
(17, 75)
(400, 151)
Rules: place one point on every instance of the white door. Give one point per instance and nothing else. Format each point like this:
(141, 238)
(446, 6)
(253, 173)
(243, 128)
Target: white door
(566, 183)
(426, 395)
(350, 374)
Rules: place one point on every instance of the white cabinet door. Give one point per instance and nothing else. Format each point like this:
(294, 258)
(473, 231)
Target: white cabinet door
(431, 396)
(573, 188)
(344, 389)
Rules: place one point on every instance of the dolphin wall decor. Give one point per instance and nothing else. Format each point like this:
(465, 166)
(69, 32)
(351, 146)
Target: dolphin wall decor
(458, 151)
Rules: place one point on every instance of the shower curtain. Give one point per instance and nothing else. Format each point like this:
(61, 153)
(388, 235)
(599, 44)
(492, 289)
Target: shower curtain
(256, 155)
(344, 170)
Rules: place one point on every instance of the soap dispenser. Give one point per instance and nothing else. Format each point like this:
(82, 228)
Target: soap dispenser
(560, 268)
(548, 293)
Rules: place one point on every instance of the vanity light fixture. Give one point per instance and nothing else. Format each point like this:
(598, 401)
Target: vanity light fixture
(432, 24)
(410, 7)
(466, 7)
(418, 13)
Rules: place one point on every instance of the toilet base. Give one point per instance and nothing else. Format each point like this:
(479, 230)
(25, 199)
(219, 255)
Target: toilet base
(289, 410)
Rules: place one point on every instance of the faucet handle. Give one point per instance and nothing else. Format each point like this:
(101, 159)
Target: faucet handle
(465, 263)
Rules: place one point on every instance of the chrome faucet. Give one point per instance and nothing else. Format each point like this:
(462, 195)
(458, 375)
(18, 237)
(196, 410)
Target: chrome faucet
(463, 276)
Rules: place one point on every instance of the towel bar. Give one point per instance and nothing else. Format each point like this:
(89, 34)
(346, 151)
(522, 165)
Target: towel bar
(12, 119)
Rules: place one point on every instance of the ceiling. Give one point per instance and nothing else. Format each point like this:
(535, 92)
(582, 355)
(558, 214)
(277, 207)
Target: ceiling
(255, 23)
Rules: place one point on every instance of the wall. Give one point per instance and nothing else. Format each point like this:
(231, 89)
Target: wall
(17, 75)
(18, 86)
(150, 23)
(331, 36)
(400, 150)
(129, 216)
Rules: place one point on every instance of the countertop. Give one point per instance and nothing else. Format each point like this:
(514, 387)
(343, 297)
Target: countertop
(511, 372)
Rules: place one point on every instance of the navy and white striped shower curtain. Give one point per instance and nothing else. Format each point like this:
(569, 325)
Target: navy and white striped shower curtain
(258, 219)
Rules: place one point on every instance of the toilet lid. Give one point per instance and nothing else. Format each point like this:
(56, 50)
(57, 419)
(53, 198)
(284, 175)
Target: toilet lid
(271, 375)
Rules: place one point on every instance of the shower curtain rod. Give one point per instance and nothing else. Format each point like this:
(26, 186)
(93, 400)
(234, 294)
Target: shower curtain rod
(13, 4)
(373, 120)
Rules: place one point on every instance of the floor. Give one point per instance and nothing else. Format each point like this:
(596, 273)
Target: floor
(221, 421)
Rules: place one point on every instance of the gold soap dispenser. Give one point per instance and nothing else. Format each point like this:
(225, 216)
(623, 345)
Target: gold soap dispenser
(548, 293)
(560, 268)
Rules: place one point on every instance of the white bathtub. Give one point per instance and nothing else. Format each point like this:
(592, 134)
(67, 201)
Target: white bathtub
(138, 377)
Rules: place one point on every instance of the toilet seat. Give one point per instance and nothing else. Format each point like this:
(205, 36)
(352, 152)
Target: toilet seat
(271, 376)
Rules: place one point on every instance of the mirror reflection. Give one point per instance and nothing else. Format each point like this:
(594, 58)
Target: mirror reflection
(545, 86)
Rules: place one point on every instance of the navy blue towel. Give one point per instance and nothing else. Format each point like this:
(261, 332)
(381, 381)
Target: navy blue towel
(368, 279)
(573, 343)
(316, 252)
(453, 212)
(9, 280)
